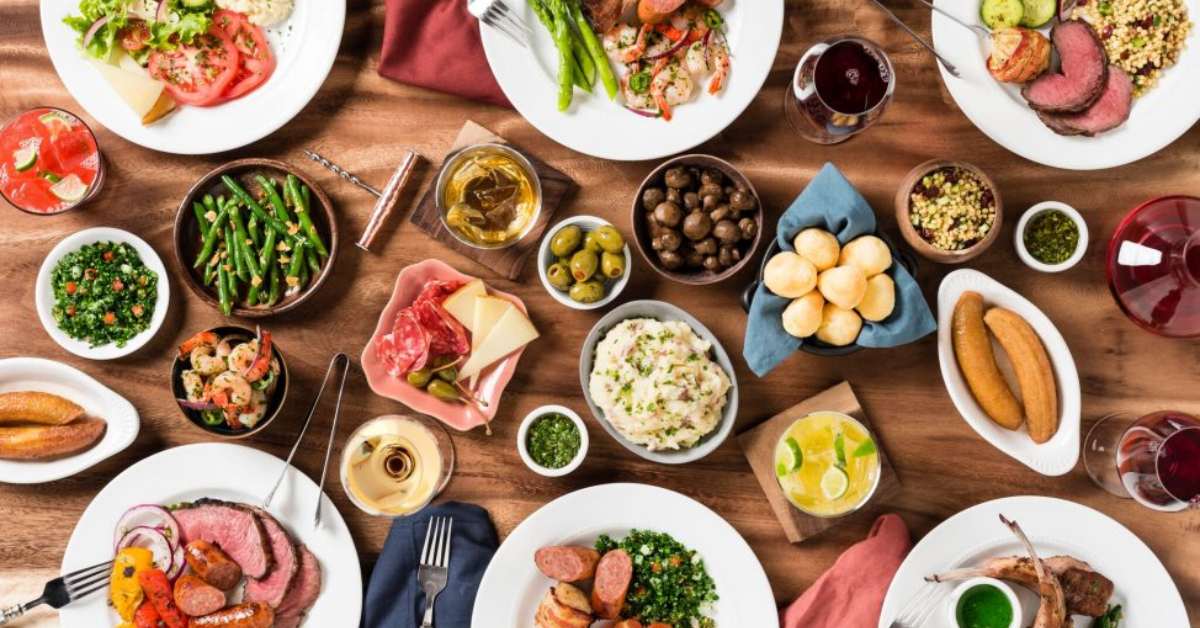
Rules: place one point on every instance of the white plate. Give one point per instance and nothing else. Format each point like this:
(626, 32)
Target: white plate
(43, 293)
(599, 127)
(512, 586)
(36, 374)
(1055, 526)
(305, 47)
(243, 475)
(1056, 456)
(997, 109)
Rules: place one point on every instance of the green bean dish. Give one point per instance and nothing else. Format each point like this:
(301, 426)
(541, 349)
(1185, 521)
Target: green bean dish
(103, 294)
(670, 583)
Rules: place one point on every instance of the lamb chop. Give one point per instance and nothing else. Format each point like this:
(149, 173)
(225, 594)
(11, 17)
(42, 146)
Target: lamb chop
(1052, 611)
(1087, 590)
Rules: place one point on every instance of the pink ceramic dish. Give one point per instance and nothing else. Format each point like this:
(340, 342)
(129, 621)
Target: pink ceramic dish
(492, 382)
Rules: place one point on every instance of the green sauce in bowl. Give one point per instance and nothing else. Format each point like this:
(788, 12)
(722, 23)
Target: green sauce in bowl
(553, 440)
(984, 606)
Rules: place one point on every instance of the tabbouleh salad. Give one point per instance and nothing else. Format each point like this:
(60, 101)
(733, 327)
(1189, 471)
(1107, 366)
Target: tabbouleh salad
(103, 294)
(670, 583)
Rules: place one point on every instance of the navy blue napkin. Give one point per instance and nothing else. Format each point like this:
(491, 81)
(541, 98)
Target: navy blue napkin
(394, 596)
(832, 203)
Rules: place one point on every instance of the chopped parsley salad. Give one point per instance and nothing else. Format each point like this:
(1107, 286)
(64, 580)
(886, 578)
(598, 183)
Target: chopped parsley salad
(670, 583)
(103, 293)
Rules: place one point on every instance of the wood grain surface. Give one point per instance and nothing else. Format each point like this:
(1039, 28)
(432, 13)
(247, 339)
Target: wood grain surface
(364, 121)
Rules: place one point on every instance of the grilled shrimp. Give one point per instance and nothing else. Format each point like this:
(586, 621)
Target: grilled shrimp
(228, 389)
(204, 360)
(670, 86)
(193, 384)
(254, 411)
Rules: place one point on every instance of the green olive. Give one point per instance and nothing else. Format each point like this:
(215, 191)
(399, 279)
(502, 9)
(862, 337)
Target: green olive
(609, 239)
(419, 378)
(612, 266)
(584, 264)
(587, 292)
(566, 240)
(447, 374)
(565, 261)
(559, 275)
(443, 390)
(591, 243)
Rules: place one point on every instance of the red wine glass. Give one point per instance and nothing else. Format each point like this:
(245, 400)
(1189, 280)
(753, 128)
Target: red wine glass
(1154, 459)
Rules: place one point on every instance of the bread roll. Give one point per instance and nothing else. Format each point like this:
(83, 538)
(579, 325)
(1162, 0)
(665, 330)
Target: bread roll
(802, 317)
(843, 286)
(817, 246)
(789, 275)
(839, 326)
(869, 253)
(880, 299)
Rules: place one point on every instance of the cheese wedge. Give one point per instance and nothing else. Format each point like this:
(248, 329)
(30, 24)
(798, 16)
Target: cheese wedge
(461, 304)
(510, 333)
(144, 95)
(488, 311)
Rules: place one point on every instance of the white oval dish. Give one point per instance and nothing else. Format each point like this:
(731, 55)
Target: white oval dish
(1069, 212)
(44, 292)
(523, 433)
(1054, 457)
(545, 259)
(952, 602)
(37, 374)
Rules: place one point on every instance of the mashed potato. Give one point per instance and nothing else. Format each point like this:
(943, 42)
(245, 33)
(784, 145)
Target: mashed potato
(261, 12)
(656, 384)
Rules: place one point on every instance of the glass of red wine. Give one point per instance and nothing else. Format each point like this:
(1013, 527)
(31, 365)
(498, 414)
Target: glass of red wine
(841, 86)
(1155, 459)
(1153, 266)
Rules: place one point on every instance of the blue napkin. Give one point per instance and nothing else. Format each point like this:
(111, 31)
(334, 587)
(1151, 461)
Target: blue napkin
(830, 202)
(394, 596)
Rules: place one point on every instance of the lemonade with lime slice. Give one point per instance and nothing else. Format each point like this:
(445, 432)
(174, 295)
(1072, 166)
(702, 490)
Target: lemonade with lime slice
(827, 464)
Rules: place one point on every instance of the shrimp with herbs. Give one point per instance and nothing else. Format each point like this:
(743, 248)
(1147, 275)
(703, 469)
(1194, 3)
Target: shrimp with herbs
(231, 379)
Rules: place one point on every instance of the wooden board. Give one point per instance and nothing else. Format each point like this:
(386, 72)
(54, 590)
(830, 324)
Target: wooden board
(758, 444)
(507, 262)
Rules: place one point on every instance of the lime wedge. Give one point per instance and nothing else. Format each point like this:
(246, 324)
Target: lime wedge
(835, 483)
(797, 455)
(69, 189)
(865, 448)
(781, 469)
(24, 158)
(56, 121)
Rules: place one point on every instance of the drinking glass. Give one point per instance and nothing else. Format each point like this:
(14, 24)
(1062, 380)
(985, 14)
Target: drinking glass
(841, 86)
(395, 465)
(1155, 459)
(1154, 266)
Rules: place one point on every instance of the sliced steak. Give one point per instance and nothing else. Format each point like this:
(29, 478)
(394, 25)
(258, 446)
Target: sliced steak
(232, 527)
(303, 592)
(1107, 113)
(272, 589)
(1082, 75)
(603, 14)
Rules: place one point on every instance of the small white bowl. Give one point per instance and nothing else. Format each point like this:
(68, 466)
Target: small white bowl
(545, 259)
(523, 433)
(1029, 259)
(44, 292)
(956, 595)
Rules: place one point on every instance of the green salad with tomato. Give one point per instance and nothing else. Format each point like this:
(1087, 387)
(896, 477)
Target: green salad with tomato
(103, 293)
(138, 26)
(670, 584)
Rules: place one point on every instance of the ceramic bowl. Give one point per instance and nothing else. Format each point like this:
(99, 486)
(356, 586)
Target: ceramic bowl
(920, 244)
(663, 312)
(951, 603)
(1029, 259)
(612, 288)
(523, 434)
(188, 240)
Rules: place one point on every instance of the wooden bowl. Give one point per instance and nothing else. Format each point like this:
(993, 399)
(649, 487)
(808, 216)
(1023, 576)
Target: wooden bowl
(919, 243)
(641, 233)
(274, 402)
(188, 240)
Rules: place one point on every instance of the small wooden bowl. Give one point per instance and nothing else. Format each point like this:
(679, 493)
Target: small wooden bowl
(919, 243)
(641, 233)
(188, 240)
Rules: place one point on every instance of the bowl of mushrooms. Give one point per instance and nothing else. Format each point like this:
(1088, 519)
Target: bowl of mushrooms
(697, 219)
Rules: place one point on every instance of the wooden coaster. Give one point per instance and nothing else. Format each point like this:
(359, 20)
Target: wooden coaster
(758, 445)
(507, 262)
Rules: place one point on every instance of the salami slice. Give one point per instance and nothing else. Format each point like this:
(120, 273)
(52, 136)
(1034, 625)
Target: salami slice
(446, 335)
(437, 291)
(407, 347)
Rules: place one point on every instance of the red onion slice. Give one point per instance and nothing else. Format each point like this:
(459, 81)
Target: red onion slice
(162, 13)
(196, 405)
(153, 540)
(644, 113)
(148, 516)
(93, 29)
(177, 562)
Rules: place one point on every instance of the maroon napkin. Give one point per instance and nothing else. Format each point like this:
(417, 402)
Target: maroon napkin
(435, 44)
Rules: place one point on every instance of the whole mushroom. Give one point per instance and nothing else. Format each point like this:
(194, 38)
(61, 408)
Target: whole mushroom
(668, 214)
(697, 225)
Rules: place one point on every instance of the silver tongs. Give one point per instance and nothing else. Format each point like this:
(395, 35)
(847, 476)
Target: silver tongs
(339, 360)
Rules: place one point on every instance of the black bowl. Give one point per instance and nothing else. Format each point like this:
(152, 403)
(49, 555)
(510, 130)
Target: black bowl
(274, 403)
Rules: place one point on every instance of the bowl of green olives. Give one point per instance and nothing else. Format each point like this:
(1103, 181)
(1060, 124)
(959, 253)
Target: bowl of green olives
(584, 262)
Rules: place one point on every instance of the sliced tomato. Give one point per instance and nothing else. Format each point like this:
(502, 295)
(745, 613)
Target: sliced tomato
(257, 60)
(134, 36)
(198, 73)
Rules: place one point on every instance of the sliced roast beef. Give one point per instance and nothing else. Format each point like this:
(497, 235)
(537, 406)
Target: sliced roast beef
(603, 14)
(272, 589)
(1109, 112)
(233, 527)
(303, 592)
(1082, 73)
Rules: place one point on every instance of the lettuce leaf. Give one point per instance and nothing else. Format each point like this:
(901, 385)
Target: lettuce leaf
(101, 46)
(182, 25)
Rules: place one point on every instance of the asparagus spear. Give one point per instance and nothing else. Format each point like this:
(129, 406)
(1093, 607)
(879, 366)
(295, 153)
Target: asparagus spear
(595, 50)
(562, 39)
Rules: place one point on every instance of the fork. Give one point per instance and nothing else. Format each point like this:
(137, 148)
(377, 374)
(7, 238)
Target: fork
(498, 15)
(979, 30)
(63, 590)
(435, 563)
(920, 40)
(920, 606)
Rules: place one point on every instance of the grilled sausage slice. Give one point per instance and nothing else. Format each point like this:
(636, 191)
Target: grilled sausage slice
(212, 565)
(196, 597)
(613, 575)
(567, 563)
(252, 615)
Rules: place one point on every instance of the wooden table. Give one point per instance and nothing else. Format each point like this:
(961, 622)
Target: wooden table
(363, 121)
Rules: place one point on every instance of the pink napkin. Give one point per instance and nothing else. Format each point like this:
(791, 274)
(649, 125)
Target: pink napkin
(850, 594)
(435, 44)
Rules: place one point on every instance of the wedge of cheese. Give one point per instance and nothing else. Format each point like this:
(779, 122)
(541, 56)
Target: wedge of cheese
(147, 97)
(488, 312)
(511, 332)
(461, 304)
